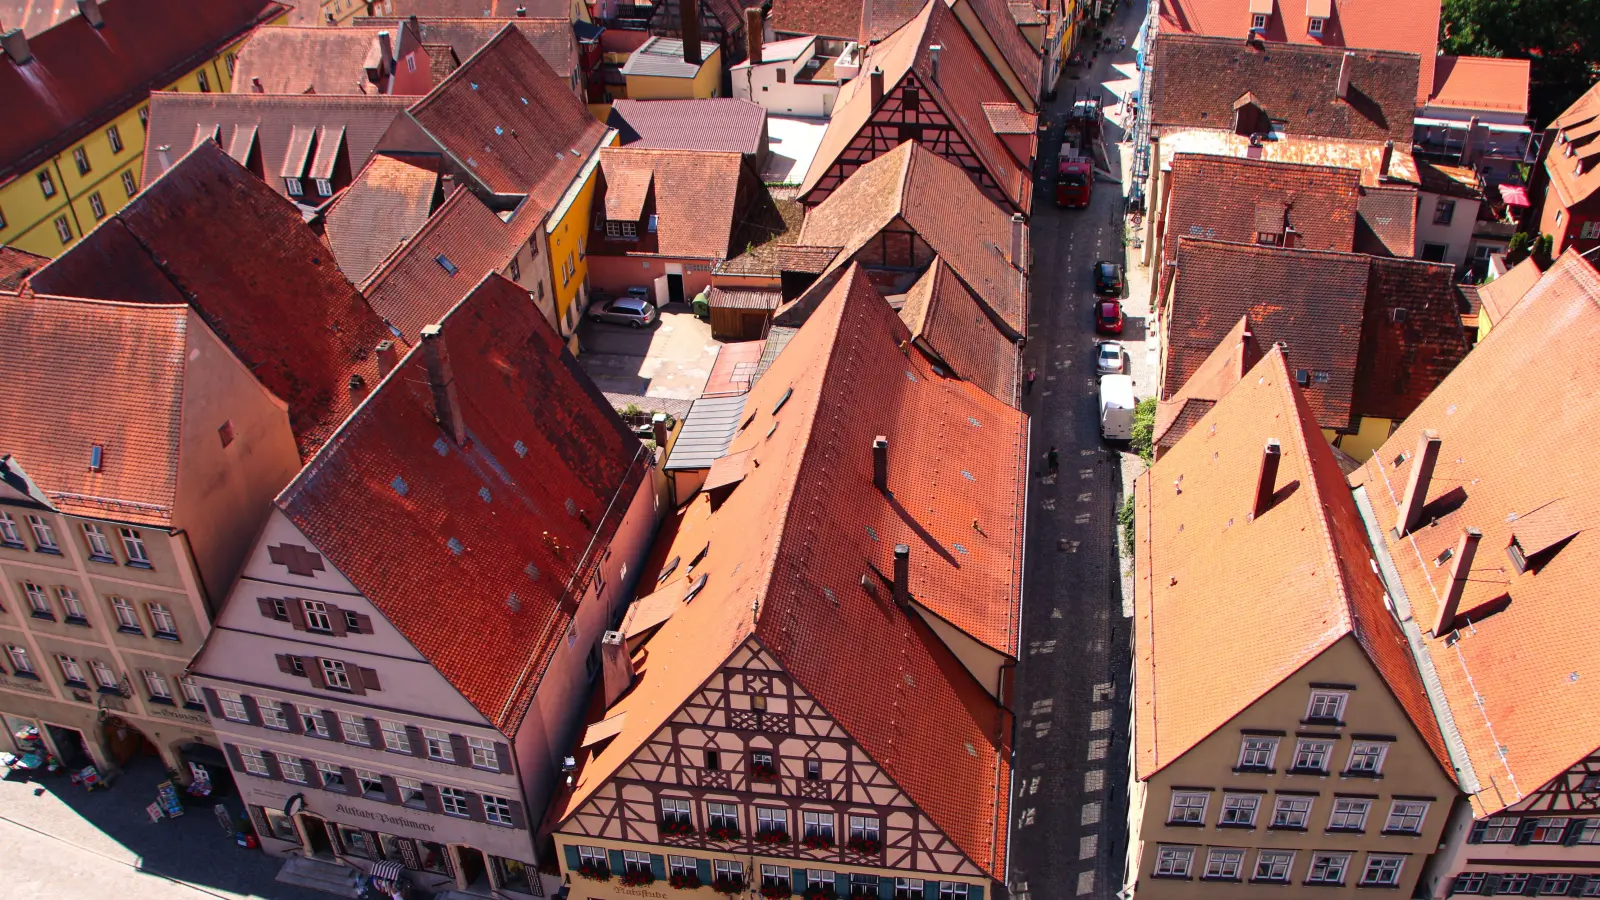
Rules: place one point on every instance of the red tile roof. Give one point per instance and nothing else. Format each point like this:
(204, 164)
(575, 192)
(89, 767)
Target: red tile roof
(493, 9)
(1202, 566)
(1221, 197)
(210, 234)
(512, 121)
(261, 129)
(966, 83)
(1577, 129)
(80, 76)
(1195, 82)
(1015, 48)
(383, 208)
(1008, 118)
(1376, 24)
(1500, 295)
(552, 37)
(413, 288)
(798, 534)
(827, 18)
(1236, 354)
(504, 531)
(1402, 362)
(697, 196)
(952, 326)
(942, 205)
(1386, 220)
(1516, 422)
(721, 124)
(316, 59)
(1480, 83)
(16, 265)
(88, 373)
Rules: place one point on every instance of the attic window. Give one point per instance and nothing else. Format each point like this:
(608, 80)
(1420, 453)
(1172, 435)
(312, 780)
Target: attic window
(787, 393)
(699, 556)
(225, 432)
(521, 448)
(499, 130)
(445, 264)
(666, 572)
(399, 485)
(97, 457)
(1302, 377)
(1444, 557)
(455, 546)
(1258, 22)
(1537, 536)
(695, 589)
(1314, 26)
(652, 225)
(484, 495)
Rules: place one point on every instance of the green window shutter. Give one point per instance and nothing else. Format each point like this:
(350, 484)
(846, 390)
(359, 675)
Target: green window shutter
(615, 856)
(658, 866)
(841, 884)
(572, 858)
(975, 892)
(702, 869)
(885, 888)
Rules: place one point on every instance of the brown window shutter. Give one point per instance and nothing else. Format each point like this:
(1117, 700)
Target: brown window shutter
(353, 673)
(313, 774)
(333, 836)
(213, 704)
(314, 671)
(285, 664)
(419, 745)
(391, 789)
(430, 793)
(252, 710)
(363, 624)
(519, 815)
(374, 733)
(292, 713)
(352, 785)
(332, 718)
(461, 750)
(268, 609)
(369, 679)
(297, 613)
(258, 817)
(233, 757)
(408, 854)
(273, 772)
(475, 806)
(502, 753)
(336, 619)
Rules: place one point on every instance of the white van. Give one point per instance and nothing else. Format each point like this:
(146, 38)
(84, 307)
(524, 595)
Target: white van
(1116, 407)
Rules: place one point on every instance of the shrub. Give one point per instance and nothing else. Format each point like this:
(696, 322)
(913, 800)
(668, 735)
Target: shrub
(594, 872)
(686, 882)
(775, 891)
(638, 878)
(772, 837)
(815, 891)
(723, 833)
(817, 842)
(677, 828)
(864, 846)
(722, 884)
(1144, 428)
(1125, 519)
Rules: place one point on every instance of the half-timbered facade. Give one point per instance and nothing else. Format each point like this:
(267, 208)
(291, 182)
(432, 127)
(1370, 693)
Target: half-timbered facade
(766, 718)
(928, 82)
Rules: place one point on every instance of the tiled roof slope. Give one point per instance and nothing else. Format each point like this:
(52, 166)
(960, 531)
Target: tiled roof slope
(696, 195)
(316, 59)
(1235, 355)
(1312, 301)
(1577, 131)
(947, 319)
(86, 373)
(995, 16)
(17, 264)
(178, 121)
(1411, 28)
(490, 9)
(967, 229)
(797, 535)
(1481, 83)
(826, 18)
(539, 443)
(1202, 566)
(966, 82)
(1500, 295)
(386, 204)
(256, 273)
(1402, 362)
(1197, 80)
(1369, 157)
(1516, 422)
(1386, 221)
(80, 76)
(545, 133)
(1220, 198)
(552, 37)
(717, 123)
(413, 289)
(34, 16)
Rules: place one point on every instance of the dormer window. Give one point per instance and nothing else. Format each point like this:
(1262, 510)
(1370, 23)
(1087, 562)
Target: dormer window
(1314, 26)
(1326, 706)
(622, 230)
(294, 187)
(1258, 22)
(324, 187)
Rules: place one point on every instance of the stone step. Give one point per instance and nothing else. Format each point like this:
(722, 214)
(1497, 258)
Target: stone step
(328, 877)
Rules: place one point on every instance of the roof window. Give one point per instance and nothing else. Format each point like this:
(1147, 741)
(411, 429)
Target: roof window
(695, 589)
(445, 264)
(787, 393)
(97, 457)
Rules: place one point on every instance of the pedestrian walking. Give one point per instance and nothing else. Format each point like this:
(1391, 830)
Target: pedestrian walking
(1052, 461)
(1030, 377)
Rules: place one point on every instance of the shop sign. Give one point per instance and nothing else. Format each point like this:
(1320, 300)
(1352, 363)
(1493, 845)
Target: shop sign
(27, 685)
(162, 711)
(384, 818)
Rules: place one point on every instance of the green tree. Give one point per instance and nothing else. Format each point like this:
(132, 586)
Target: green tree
(1517, 248)
(1144, 429)
(1542, 247)
(1561, 37)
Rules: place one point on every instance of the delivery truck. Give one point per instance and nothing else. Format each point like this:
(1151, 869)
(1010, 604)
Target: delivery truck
(1116, 407)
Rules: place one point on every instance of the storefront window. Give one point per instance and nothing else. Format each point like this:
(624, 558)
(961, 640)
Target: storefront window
(433, 857)
(282, 827)
(391, 848)
(511, 874)
(355, 841)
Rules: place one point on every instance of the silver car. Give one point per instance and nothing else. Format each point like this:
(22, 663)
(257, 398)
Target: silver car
(633, 311)
(1108, 358)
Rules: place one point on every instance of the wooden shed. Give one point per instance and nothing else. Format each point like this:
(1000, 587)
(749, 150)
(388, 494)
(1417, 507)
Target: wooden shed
(741, 314)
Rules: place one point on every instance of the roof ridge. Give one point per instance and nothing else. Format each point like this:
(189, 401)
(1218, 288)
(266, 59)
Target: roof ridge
(1245, 245)
(432, 96)
(93, 301)
(392, 261)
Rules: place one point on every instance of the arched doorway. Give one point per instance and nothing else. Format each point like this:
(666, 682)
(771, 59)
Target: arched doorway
(126, 743)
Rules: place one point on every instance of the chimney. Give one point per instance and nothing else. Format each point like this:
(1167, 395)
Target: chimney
(1383, 161)
(1461, 564)
(616, 669)
(752, 34)
(689, 24)
(90, 10)
(522, 12)
(1271, 455)
(1249, 353)
(902, 575)
(386, 357)
(658, 430)
(880, 463)
(933, 60)
(15, 45)
(385, 54)
(1019, 229)
(255, 85)
(1347, 63)
(1416, 495)
(875, 86)
(446, 406)
(164, 156)
(1467, 142)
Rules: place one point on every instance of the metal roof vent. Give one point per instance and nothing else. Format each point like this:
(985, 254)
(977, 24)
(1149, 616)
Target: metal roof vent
(483, 494)
(521, 448)
(455, 546)
(400, 486)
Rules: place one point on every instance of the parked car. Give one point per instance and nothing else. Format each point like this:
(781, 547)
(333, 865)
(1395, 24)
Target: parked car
(1108, 358)
(1108, 316)
(1107, 279)
(640, 292)
(629, 310)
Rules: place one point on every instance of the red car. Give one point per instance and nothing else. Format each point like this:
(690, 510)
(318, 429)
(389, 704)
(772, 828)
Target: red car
(1108, 316)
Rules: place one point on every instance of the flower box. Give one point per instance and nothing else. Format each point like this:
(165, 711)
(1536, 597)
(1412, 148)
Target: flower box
(637, 878)
(677, 829)
(725, 885)
(817, 842)
(763, 772)
(820, 892)
(594, 872)
(864, 846)
(776, 891)
(772, 837)
(723, 833)
(684, 882)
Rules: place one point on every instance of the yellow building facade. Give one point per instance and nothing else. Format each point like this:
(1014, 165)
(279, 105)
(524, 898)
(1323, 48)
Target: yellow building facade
(48, 208)
(567, 231)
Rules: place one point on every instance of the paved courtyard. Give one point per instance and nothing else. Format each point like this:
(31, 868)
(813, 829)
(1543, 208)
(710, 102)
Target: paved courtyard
(672, 358)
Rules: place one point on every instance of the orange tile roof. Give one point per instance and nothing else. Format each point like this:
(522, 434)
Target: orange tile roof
(17, 264)
(1376, 24)
(1299, 573)
(1516, 422)
(827, 18)
(1386, 220)
(1008, 118)
(932, 195)
(1500, 295)
(1481, 83)
(946, 319)
(90, 372)
(505, 531)
(1576, 131)
(316, 59)
(383, 208)
(697, 196)
(552, 37)
(210, 234)
(1219, 197)
(1236, 354)
(805, 525)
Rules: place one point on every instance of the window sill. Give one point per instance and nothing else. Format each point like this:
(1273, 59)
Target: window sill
(102, 559)
(1325, 723)
(131, 629)
(1345, 831)
(110, 689)
(163, 701)
(1299, 829)
(1171, 877)
(135, 564)
(13, 545)
(1373, 776)
(1326, 884)
(1218, 879)
(1186, 824)
(421, 805)
(1319, 773)
(47, 551)
(197, 707)
(1411, 834)
(76, 685)
(1381, 887)
(1239, 826)
(166, 636)
(79, 621)
(49, 617)
(1253, 770)
(25, 675)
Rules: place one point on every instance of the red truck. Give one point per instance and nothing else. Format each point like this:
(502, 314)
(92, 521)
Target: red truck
(1075, 165)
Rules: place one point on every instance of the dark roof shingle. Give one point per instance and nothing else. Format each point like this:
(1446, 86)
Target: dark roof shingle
(386, 204)
(717, 123)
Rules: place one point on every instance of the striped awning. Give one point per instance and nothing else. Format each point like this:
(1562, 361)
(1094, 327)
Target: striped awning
(387, 870)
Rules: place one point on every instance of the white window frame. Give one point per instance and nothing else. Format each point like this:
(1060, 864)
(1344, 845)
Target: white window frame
(1556, 885)
(677, 811)
(1513, 882)
(232, 703)
(43, 534)
(394, 736)
(815, 823)
(1273, 866)
(866, 828)
(255, 762)
(497, 810)
(593, 856)
(38, 601)
(1380, 864)
(1295, 808)
(71, 606)
(635, 861)
(1311, 749)
(1349, 814)
(355, 729)
(953, 890)
(769, 818)
(291, 768)
(438, 743)
(1188, 808)
(70, 670)
(133, 544)
(364, 779)
(1173, 861)
(103, 676)
(99, 544)
(910, 889)
(1224, 864)
(1544, 826)
(1497, 830)
(1258, 21)
(682, 866)
(9, 534)
(1402, 811)
(19, 659)
(484, 754)
(272, 714)
(130, 185)
(410, 791)
(313, 722)
(1588, 831)
(156, 683)
(1317, 708)
(773, 876)
(722, 815)
(334, 674)
(1314, 25)
(293, 187)
(330, 774)
(1335, 862)
(127, 617)
(1364, 750)
(162, 624)
(1239, 810)
(317, 617)
(1251, 749)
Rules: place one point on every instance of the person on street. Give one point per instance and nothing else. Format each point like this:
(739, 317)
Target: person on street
(1031, 375)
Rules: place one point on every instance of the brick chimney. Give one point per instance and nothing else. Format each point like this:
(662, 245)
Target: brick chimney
(385, 53)
(689, 24)
(1384, 160)
(1423, 460)
(15, 45)
(875, 86)
(1346, 63)
(387, 357)
(880, 463)
(1267, 482)
(934, 51)
(1019, 231)
(256, 86)
(902, 575)
(442, 381)
(1460, 566)
(616, 669)
(752, 35)
(658, 431)
(90, 10)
